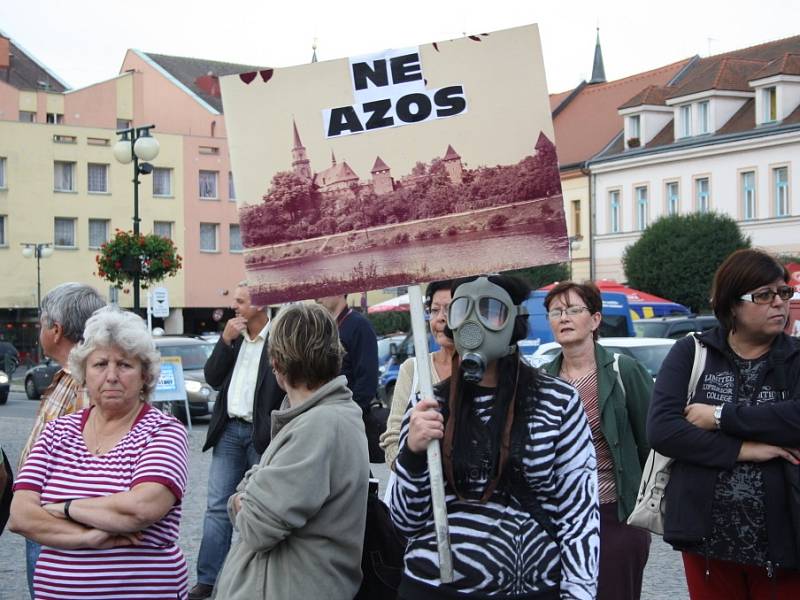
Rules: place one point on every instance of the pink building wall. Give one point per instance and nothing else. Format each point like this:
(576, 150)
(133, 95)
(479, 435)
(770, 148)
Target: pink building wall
(92, 106)
(158, 100)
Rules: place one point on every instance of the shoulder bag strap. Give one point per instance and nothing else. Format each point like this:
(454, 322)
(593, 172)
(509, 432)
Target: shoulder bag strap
(619, 376)
(699, 364)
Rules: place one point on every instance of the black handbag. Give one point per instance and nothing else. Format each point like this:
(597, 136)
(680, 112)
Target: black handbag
(5, 500)
(375, 418)
(382, 557)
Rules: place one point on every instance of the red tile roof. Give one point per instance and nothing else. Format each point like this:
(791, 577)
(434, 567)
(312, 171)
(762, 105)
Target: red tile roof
(655, 95)
(731, 74)
(590, 121)
(788, 64)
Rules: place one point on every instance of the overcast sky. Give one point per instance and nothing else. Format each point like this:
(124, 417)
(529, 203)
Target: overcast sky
(84, 41)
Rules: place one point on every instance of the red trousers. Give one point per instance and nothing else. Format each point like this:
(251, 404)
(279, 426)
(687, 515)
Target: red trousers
(733, 581)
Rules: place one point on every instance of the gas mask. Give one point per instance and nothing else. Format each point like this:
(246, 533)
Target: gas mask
(482, 317)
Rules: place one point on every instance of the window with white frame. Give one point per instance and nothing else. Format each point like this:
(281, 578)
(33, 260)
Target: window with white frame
(701, 194)
(748, 195)
(123, 124)
(98, 232)
(64, 232)
(63, 176)
(27, 116)
(634, 127)
(686, 120)
(231, 188)
(780, 176)
(703, 117)
(98, 178)
(163, 229)
(209, 237)
(770, 96)
(641, 207)
(162, 181)
(614, 211)
(235, 239)
(3, 220)
(2, 172)
(208, 184)
(55, 118)
(673, 198)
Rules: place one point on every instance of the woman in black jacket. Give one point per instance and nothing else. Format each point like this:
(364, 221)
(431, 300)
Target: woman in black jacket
(728, 503)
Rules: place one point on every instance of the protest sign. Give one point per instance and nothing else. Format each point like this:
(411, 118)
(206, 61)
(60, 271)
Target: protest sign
(398, 167)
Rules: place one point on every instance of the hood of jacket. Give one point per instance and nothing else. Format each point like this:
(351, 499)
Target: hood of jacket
(333, 392)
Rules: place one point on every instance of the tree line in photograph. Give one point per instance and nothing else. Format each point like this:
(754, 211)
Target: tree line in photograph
(293, 208)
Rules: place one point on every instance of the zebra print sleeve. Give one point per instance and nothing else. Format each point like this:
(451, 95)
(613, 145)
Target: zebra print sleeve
(410, 505)
(576, 499)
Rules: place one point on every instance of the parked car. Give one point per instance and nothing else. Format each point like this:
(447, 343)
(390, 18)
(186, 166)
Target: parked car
(385, 349)
(193, 353)
(391, 369)
(39, 377)
(648, 351)
(674, 327)
(5, 387)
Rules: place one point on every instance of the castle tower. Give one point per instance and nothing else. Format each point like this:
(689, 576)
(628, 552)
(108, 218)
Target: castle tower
(300, 163)
(382, 182)
(452, 163)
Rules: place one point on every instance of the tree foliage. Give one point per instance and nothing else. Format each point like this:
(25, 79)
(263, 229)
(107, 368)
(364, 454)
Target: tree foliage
(677, 255)
(385, 323)
(542, 275)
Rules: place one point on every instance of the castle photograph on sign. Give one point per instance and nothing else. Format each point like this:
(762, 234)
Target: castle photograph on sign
(402, 166)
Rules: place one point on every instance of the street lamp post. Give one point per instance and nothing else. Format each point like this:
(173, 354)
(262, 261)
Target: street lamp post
(136, 144)
(38, 250)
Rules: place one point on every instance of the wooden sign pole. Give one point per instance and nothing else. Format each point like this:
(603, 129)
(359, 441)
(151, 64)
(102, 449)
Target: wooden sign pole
(423, 366)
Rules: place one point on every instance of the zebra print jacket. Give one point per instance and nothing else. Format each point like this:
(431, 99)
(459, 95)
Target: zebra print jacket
(499, 549)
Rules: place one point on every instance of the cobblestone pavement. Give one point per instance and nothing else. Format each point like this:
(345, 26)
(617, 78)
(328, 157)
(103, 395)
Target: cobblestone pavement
(663, 579)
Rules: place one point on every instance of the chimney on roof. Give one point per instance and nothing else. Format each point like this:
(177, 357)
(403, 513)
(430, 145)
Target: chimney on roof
(598, 70)
(5, 53)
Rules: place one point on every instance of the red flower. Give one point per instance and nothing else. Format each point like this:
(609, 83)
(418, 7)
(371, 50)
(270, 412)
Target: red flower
(117, 264)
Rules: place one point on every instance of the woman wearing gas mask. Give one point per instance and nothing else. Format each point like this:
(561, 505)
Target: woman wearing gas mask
(521, 485)
(615, 392)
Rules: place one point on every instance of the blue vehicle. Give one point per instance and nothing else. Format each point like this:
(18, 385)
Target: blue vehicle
(391, 368)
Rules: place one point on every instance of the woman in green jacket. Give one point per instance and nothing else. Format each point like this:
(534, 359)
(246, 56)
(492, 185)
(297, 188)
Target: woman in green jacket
(615, 391)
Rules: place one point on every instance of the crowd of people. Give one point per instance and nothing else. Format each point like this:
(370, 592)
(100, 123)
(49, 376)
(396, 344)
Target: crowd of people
(542, 466)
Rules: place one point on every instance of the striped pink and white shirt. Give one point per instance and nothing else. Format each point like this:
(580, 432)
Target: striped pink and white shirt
(61, 467)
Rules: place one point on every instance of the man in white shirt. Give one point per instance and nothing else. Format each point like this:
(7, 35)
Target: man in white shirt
(239, 368)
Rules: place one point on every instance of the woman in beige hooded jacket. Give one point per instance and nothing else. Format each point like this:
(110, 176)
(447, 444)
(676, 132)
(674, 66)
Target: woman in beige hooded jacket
(301, 511)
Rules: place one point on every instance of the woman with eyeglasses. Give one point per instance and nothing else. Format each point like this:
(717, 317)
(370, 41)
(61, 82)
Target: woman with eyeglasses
(615, 392)
(437, 301)
(730, 507)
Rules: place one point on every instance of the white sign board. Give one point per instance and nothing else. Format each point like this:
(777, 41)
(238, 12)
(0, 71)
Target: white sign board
(160, 305)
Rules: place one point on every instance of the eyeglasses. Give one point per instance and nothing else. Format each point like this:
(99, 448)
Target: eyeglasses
(784, 292)
(492, 313)
(571, 311)
(434, 312)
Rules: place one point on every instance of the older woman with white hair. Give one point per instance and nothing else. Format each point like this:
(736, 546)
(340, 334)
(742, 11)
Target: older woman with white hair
(102, 488)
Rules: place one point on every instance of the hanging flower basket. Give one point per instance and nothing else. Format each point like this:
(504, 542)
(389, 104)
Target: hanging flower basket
(152, 257)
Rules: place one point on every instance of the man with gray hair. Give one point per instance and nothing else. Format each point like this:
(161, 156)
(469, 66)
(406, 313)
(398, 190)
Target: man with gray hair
(64, 312)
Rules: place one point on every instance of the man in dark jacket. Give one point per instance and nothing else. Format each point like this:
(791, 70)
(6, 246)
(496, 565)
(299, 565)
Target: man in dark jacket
(240, 424)
(360, 364)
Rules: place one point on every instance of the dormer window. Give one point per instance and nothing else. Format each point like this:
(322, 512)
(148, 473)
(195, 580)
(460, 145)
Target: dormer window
(686, 120)
(770, 104)
(703, 117)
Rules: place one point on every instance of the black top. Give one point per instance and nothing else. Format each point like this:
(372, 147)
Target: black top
(360, 363)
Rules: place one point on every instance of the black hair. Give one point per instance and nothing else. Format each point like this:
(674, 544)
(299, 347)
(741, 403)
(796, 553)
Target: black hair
(436, 286)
